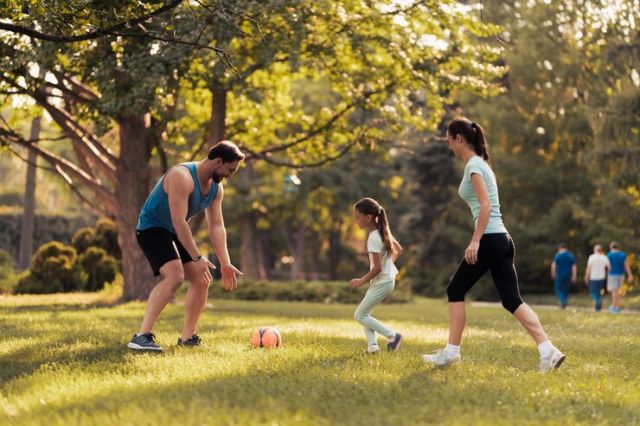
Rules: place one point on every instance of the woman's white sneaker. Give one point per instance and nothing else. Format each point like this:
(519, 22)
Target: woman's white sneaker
(554, 359)
(440, 358)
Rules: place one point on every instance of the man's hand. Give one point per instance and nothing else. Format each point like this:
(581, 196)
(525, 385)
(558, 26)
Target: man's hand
(202, 269)
(229, 280)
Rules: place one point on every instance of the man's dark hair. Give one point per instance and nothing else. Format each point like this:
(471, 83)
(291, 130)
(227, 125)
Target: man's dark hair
(562, 245)
(226, 150)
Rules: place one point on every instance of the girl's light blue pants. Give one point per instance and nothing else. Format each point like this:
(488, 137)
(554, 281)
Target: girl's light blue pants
(373, 297)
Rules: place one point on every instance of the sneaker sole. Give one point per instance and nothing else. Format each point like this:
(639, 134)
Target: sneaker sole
(137, 347)
(397, 345)
(559, 363)
(433, 364)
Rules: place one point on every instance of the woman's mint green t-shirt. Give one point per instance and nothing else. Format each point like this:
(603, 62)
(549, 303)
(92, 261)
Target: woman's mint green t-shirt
(478, 165)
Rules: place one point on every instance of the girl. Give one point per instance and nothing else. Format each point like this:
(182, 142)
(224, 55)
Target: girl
(491, 249)
(383, 250)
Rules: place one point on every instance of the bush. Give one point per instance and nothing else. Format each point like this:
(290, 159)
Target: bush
(106, 237)
(12, 198)
(47, 228)
(307, 291)
(98, 268)
(7, 273)
(83, 239)
(53, 270)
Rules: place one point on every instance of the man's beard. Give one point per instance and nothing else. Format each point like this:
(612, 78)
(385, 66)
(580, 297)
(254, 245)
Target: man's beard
(216, 177)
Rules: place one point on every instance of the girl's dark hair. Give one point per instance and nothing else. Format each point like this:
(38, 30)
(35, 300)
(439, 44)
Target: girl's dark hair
(372, 207)
(472, 133)
(226, 150)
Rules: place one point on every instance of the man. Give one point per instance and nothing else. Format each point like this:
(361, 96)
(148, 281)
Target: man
(167, 242)
(595, 275)
(619, 265)
(563, 272)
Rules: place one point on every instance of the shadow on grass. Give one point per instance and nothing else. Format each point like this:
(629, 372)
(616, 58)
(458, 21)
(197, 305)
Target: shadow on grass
(321, 390)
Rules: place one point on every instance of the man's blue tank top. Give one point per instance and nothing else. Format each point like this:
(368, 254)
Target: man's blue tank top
(155, 211)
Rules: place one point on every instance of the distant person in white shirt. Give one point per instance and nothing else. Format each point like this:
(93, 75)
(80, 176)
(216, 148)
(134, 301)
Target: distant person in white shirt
(595, 275)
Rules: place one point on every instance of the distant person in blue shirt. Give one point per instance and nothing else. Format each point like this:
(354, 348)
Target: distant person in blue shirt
(563, 271)
(619, 265)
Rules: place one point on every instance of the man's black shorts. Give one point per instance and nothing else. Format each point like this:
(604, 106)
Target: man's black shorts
(161, 246)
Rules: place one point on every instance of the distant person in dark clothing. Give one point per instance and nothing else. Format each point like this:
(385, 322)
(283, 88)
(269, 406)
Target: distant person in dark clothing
(563, 271)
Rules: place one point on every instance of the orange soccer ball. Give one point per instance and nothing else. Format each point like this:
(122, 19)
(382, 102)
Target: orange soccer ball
(266, 337)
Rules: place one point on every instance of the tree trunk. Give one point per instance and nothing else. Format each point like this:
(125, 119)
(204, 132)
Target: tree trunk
(248, 253)
(299, 251)
(28, 215)
(335, 249)
(217, 126)
(315, 246)
(263, 255)
(133, 176)
(247, 227)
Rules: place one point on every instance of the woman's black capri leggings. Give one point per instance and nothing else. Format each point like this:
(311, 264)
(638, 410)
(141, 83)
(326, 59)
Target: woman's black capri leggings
(495, 254)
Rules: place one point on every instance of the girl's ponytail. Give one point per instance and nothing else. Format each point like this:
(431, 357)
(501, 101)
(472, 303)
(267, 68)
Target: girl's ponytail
(369, 206)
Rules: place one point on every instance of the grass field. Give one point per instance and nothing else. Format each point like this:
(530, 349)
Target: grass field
(63, 361)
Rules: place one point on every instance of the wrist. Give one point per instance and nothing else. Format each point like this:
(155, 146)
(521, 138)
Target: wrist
(196, 259)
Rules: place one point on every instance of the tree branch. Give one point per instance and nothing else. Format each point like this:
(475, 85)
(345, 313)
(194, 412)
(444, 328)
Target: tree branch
(219, 52)
(266, 157)
(65, 177)
(325, 126)
(98, 154)
(68, 167)
(101, 32)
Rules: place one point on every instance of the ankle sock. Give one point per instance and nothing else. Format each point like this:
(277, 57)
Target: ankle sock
(452, 350)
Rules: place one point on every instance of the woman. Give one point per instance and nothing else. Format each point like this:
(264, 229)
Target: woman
(491, 249)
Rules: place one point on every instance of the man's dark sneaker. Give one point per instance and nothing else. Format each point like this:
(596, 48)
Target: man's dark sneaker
(195, 340)
(394, 344)
(144, 342)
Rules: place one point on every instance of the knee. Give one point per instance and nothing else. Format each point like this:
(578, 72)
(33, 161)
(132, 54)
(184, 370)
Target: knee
(359, 315)
(512, 303)
(454, 294)
(174, 276)
(200, 283)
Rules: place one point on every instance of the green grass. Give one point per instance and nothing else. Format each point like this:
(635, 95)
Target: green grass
(63, 361)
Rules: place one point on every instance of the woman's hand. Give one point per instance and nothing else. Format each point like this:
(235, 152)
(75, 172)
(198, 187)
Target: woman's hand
(471, 253)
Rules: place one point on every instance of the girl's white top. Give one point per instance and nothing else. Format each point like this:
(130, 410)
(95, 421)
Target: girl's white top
(389, 270)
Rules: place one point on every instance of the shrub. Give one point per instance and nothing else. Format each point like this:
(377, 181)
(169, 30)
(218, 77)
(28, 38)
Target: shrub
(98, 268)
(6, 264)
(12, 198)
(53, 270)
(83, 239)
(106, 236)
(307, 291)
(46, 228)
(7, 273)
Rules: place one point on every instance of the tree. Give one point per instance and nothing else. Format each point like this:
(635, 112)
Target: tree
(120, 92)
